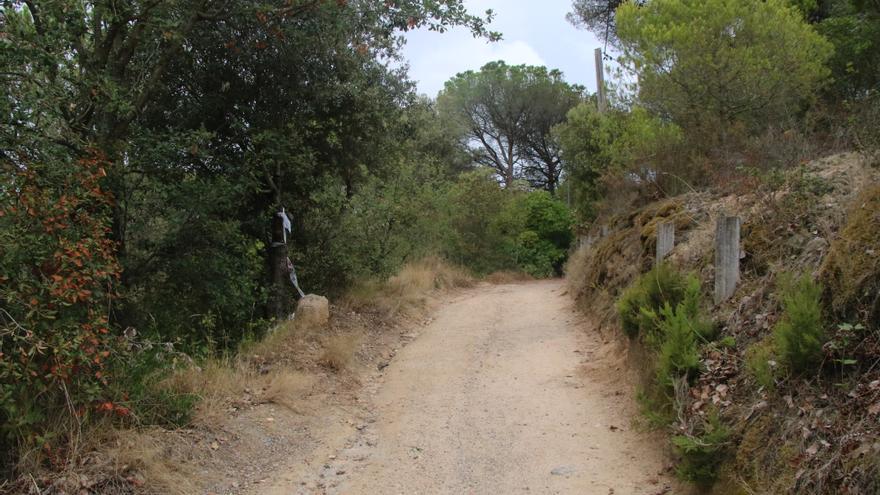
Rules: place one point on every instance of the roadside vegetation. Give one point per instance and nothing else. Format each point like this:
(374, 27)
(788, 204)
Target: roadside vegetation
(147, 148)
(760, 109)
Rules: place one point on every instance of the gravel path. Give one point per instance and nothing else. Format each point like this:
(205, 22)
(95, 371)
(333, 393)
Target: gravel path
(504, 392)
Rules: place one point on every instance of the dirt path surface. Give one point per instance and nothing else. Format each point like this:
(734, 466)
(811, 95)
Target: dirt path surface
(503, 392)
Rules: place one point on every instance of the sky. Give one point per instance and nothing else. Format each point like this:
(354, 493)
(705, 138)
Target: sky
(534, 32)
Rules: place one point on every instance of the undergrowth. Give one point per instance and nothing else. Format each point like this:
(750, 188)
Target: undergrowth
(702, 453)
(663, 309)
(800, 334)
(640, 303)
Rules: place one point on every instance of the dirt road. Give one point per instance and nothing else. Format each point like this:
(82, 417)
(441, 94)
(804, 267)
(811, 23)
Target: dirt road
(504, 392)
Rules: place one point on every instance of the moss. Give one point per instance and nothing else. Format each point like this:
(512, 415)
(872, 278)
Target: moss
(758, 357)
(606, 266)
(659, 209)
(650, 217)
(851, 270)
(766, 470)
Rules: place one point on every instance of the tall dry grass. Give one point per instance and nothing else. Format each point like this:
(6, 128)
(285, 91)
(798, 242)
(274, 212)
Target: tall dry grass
(409, 289)
(265, 371)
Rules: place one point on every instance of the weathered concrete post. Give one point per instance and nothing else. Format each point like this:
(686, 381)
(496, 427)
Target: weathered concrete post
(726, 257)
(665, 240)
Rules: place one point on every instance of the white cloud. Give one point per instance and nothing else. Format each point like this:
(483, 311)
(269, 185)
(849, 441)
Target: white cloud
(535, 33)
(437, 58)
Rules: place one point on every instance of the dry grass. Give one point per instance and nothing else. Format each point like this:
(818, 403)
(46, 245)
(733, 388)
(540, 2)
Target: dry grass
(287, 388)
(150, 462)
(408, 290)
(339, 351)
(153, 461)
(216, 383)
(507, 277)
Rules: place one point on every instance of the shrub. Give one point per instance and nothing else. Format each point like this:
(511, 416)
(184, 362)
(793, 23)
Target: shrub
(639, 304)
(800, 334)
(703, 453)
(680, 330)
(495, 229)
(679, 355)
(761, 52)
(57, 276)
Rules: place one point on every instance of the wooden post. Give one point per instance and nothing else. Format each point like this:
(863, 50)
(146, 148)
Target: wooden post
(726, 257)
(600, 81)
(665, 240)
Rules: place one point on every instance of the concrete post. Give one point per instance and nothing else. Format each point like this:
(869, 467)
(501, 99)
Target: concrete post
(665, 240)
(726, 257)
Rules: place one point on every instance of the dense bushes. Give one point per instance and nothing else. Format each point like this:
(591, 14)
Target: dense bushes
(58, 275)
(493, 230)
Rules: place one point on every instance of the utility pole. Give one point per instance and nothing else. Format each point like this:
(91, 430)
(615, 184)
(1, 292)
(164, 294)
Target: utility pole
(600, 82)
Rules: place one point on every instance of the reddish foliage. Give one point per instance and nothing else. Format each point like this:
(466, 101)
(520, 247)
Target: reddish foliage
(58, 268)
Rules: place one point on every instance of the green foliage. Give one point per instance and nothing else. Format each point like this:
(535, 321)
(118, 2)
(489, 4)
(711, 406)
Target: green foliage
(595, 145)
(854, 29)
(493, 229)
(714, 66)
(58, 274)
(680, 330)
(545, 233)
(586, 138)
(137, 385)
(702, 454)
(800, 333)
(207, 133)
(641, 302)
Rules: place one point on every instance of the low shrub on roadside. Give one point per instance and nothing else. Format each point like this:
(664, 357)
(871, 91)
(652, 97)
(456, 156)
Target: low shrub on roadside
(800, 333)
(639, 304)
(702, 453)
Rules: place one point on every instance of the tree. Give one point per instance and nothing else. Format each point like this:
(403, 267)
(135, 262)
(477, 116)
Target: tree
(549, 100)
(205, 117)
(598, 16)
(853, 26)
(715, 65)
(632, 143)
(207, 130)
(504, 115)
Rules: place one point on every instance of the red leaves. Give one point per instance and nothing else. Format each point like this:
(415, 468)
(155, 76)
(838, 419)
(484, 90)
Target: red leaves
(61, 214)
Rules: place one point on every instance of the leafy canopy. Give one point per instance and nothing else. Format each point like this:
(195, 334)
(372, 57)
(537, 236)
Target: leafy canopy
(710, 65)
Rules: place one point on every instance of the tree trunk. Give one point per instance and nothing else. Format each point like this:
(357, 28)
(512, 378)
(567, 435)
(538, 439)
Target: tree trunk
(278, 292)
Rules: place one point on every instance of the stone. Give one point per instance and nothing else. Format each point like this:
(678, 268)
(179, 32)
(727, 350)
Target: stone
(313, 310)
(563, 471)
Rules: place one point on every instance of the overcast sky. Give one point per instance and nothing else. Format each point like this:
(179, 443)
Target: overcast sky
(535, 32)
